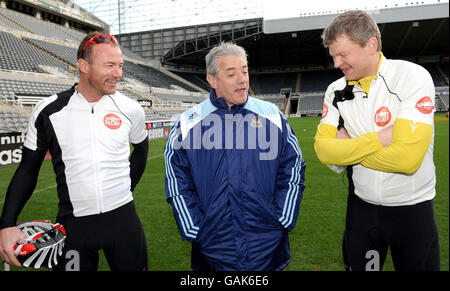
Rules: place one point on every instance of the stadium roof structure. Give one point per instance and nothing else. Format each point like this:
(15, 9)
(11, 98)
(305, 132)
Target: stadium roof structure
(419, 33)
(319, 19)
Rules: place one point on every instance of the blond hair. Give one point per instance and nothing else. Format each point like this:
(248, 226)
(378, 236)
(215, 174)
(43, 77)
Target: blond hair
(358, 25)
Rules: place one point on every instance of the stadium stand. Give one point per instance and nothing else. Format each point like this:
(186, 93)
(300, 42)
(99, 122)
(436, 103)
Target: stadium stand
(65, 53)
(195, 78)
(39, 27)
(311, 104)
(442, 98)
(311, 86)
(12, 120)
(151, 76)
(17, 55)
(438, 75)
(271, 83)
(28, 92)
(38, 59)
(276, 99)
(314, 81)
(6, 21)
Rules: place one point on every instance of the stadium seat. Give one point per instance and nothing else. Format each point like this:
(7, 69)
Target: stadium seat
(19, 56)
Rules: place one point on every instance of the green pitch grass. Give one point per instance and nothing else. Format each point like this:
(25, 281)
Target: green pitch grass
(316, 239)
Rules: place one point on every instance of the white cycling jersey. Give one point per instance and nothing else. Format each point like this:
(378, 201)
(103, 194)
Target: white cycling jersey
(401, 90)
(90, 147)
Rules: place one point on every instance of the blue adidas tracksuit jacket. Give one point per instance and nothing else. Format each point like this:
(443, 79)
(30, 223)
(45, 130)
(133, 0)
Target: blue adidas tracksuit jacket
(235, 178)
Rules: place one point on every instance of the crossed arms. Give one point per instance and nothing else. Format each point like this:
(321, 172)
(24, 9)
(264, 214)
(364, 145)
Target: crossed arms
(397, 149)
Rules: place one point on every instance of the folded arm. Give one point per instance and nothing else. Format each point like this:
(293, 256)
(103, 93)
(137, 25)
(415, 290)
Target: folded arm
(410, 141)
(340, 151)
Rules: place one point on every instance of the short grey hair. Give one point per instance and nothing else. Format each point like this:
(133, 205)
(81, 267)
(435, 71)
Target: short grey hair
(223, 49)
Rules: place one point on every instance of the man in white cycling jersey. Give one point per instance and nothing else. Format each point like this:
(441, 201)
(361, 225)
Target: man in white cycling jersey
(88, 130)
(378, 122)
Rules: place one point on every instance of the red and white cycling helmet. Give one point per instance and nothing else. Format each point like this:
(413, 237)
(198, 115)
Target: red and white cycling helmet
(43, 244)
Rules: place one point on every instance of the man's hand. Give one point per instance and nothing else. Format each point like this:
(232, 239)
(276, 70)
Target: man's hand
(342, 134)
(385, 136)
(8, 238)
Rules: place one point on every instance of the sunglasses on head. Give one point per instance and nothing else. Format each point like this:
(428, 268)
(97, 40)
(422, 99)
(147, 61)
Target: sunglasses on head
(99, 38)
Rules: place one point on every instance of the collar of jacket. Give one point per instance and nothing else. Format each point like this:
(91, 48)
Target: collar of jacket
(74, 87)
(222, 103)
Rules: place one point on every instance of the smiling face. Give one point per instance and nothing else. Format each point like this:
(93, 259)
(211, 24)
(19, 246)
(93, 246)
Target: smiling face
(104, 71)
(231, 81)
(355, 61)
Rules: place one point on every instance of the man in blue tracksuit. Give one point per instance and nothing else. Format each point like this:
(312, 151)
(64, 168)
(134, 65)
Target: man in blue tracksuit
(234, 173)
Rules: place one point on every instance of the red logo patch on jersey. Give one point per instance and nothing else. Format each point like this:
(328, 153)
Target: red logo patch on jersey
(425, 105)
(112, 121)
(382, 116)
(324, 111)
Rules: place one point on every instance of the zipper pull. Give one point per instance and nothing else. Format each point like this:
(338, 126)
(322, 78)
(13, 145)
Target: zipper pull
(92, 109)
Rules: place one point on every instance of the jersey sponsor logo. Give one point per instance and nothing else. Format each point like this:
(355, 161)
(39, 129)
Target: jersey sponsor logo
(112, 121)
(382, 116)
(425, 105)
(324, 111)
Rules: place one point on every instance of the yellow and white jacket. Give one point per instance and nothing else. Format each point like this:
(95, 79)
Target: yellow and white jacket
(402, 94)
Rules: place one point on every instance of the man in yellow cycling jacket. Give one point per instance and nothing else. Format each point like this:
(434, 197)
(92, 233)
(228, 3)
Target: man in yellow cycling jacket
(378, 122)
